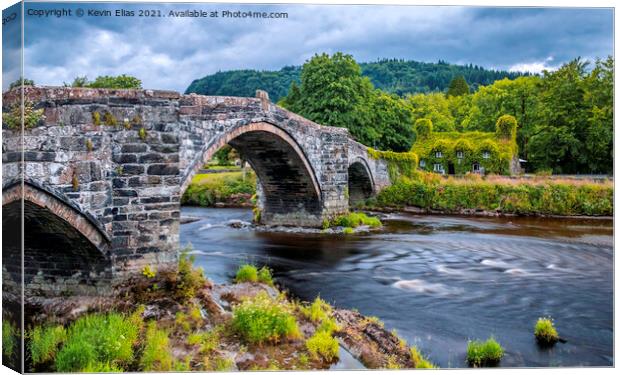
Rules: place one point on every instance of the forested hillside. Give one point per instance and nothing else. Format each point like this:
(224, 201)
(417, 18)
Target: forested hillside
(394, 76)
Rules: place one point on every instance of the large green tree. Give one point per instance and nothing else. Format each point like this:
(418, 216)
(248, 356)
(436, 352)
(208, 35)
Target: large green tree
(333, 92)
(557, 140)
(458, 86)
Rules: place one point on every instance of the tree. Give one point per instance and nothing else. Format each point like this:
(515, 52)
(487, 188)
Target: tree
(116, 82)
(600, 124)
(458, 86)
(393, 119)
(433, 106)
(519, 98)
(108, 82)
(557, 141)
(21, 81)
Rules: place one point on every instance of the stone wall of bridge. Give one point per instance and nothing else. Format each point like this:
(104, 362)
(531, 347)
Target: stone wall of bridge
(106, 169)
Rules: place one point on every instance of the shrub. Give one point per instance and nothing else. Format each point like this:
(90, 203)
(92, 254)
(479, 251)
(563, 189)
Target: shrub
(486, 353)
(44, 343)
(96, 118)
(324, 344)
(355, 219)
(317, 311)
(142, 134)
(264, 276)
(262, 319)
(156, 355)
(9, 338)
(247, 273)
(348, 230)
(13, 118)
(545, 332)
(189, 279)
(418, 360)
(109, 119)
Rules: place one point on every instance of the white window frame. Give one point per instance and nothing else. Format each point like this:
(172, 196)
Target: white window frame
(486, 155)
(460, 155)
(438, 167)
(422, 163)
(438, 154)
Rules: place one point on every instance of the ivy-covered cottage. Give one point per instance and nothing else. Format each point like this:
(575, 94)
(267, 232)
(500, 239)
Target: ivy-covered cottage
(476, 152)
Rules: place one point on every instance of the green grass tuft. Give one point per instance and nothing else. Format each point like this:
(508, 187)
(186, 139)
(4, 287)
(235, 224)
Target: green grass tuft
(354, 220)
(99, 339)
(419, 360)
(246, 273)
(265, 277)
(44, 343)
(156, 355)
(262, 319)
(545, 332)
(9, 338)
(487, 353)
(323, 344)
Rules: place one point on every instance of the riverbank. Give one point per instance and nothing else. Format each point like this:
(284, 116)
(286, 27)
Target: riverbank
(177, 320)
(221, 188)
(494, 196)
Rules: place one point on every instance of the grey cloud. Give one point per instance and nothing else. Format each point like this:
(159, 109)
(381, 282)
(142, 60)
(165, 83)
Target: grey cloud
(169, 53)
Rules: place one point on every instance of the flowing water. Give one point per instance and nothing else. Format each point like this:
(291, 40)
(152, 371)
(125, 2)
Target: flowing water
(441, 280)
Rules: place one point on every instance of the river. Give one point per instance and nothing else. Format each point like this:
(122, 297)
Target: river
(441, 280)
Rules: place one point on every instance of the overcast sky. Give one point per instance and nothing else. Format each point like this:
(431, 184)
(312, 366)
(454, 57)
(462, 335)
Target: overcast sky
(168, 52)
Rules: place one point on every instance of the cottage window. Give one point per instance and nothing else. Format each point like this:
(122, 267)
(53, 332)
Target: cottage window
(422, 163)
(438, 154)
(437, 167)
(459, 154)
(486, 154)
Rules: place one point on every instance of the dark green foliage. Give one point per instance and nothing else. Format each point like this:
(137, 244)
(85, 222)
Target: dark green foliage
(226, 155)
(333, 92)
(394, 76)
(458, 87)
(21, 82)
(246, 82)
(122, 81)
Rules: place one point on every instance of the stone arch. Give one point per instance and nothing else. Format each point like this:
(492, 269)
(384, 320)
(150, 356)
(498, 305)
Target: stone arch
(287, 179)
(60, 242)
(361, 183)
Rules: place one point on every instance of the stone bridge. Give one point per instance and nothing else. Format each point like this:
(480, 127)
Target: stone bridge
(104, 170)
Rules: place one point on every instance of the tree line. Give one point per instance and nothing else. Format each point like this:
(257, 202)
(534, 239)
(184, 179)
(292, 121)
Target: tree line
(564, 117)
(395, 76)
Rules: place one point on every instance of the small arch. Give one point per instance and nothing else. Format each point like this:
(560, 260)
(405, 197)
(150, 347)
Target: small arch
(59, 243)
(361, 184)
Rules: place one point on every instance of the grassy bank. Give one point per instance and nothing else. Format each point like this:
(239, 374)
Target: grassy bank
(174, 319)
(541, 196)
(227, 188)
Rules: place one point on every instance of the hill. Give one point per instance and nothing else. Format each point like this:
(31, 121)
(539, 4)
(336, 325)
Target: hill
(392, 75)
